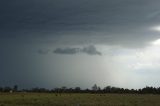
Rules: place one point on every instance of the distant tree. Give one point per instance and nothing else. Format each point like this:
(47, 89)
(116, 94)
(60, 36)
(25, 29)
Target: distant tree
(99, 88)
(158, 90)
(70, 90)
(140, 91)
(15, 88)
(87, 91)
(35, 89)
(94, 87)
(77, 89)
(39, 90)
(126, 90)
(107, 89)
(1, 89)
(63, 89)
(7, 89)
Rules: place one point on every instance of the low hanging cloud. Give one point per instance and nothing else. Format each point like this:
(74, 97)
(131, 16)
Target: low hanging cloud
(67, 50)
(90, 50)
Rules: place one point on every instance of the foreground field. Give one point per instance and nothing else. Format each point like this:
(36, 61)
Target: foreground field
(44, 99)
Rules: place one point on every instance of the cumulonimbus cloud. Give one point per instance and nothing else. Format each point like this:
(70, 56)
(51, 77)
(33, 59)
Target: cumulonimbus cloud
(90, 50)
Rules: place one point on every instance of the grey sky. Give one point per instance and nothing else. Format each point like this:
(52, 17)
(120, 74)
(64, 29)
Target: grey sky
(123, 29)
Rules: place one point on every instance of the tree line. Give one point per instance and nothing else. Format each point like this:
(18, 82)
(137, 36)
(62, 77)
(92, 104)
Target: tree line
(94, 89)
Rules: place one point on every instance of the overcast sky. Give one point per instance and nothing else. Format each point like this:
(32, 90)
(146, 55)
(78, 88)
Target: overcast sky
(54, 43)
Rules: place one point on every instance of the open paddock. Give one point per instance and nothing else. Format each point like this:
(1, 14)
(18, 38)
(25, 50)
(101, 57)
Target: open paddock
(78, 99)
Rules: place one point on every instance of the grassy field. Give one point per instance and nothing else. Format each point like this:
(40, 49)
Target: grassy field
(44, 99)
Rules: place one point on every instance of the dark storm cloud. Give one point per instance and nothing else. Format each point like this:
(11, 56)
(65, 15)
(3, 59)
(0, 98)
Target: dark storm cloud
(90, 50)
(67, 51)
(122, 22)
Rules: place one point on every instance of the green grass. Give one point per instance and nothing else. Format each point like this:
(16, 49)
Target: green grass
(45, 99)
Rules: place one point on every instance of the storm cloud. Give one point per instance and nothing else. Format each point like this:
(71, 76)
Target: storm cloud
(122, 22)
(90, 50)
(67, 51)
